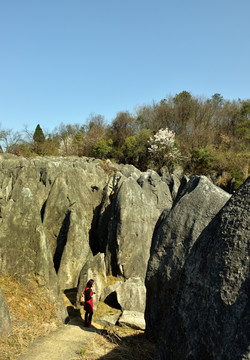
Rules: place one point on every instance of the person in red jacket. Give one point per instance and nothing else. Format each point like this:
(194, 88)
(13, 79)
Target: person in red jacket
(88, 306)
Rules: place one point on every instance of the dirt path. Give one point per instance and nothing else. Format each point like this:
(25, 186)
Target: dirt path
(66, 342)
(63, 344)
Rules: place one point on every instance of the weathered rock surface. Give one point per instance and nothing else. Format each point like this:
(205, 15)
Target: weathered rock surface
(68, 215)
(110, 320)
(109, 295)
(172, 179)
(5, 322)
(131, 295)
(94, 268)
(65, 220)
(197, 202)
(134, 211)
(133, 319)
(207, 315)
(128, 295)
(57, 213)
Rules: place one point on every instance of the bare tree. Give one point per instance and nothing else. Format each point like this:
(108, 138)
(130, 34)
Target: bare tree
(10, 140)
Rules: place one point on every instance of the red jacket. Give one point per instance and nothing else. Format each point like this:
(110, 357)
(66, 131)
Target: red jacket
(88, 293)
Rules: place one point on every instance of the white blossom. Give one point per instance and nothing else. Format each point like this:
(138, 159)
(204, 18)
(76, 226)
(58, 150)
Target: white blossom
(162, 145)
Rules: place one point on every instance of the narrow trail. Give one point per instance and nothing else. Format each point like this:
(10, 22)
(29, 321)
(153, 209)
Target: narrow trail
(66, 342)
(63, 344)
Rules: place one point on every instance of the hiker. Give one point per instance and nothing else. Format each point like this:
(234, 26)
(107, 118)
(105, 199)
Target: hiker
(88, 305)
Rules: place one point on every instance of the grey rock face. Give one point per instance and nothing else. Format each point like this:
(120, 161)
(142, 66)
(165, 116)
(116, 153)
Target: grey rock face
(56, 212)
(129, 295)
(23, 244)
(208, 315)
(94, 268)
(110, 292)
(5, 323)
(174, 236)
(46, 209)
(110, 320)
(133, 319)
(173, 179)
(134, 211)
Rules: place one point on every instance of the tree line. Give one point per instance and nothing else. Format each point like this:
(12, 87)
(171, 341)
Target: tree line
(203, 135)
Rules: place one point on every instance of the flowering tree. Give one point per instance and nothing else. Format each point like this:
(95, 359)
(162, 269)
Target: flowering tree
(163, 148)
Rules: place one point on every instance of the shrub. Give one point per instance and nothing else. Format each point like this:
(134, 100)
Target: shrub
(163, 149)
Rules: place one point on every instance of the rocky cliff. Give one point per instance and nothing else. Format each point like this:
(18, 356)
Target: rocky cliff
(198, 284)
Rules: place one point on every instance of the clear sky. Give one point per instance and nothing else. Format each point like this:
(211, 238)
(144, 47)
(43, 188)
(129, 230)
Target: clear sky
(61, 60)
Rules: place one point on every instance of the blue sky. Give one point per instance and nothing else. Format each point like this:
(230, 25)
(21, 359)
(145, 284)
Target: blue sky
(61, 60)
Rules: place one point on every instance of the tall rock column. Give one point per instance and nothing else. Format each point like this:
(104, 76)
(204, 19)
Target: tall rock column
(208, 314)
(175, 234)
(135, 209)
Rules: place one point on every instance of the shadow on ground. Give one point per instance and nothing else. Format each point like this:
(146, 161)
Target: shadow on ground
(133, 347)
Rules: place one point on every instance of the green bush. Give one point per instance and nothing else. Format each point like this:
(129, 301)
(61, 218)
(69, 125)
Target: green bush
(103, 149)
(202, 160)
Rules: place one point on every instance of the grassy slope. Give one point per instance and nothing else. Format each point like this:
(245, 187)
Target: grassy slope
(32, 316)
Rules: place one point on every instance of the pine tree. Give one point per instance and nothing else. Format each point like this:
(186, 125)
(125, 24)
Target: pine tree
(39, 135)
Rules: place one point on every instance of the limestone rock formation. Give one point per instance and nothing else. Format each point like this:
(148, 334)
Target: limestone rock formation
(133, 319)
(110, 320)
(207, 315)
(46, 208)
(57, 213)
(173, 179)
(5, 322)
(134, 211)
(65, 220)
(128, 295)
(68, 216)
(94, 268)
(197, 202)
(131, 295)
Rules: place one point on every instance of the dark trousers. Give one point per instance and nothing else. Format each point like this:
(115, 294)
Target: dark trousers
(88, 318)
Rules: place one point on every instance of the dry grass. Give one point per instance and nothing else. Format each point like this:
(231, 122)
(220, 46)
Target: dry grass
(108, 169)
(111, 280)
(32, 316)
(115, 343)
(104, 310)
(118, 343)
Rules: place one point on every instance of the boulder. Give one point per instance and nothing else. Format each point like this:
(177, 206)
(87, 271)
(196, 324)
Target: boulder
(131, 295)
(176, 232)
(110, 320)
(208, 314)
(109, 295)
(128, 295)
(5, 322)
(133, 319)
